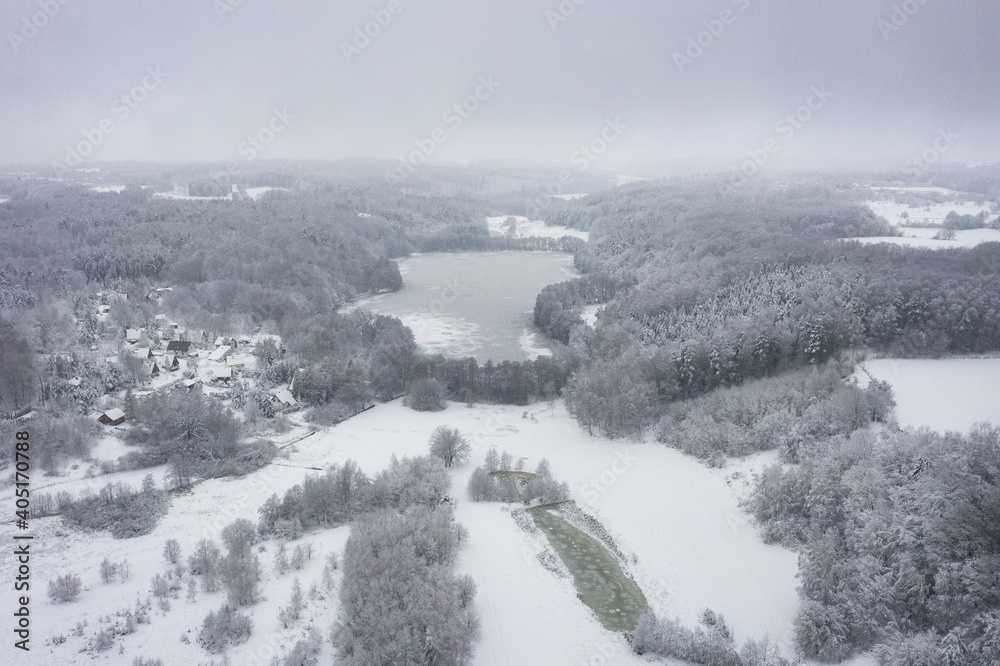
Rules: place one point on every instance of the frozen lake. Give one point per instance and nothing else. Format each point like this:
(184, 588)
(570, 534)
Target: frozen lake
(476, 304)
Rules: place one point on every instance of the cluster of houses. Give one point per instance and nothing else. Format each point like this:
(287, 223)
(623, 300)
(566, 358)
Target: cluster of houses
(228, 357)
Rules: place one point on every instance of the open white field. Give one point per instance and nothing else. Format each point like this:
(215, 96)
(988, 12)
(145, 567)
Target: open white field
(589, 314)
(949, 394)
(532, 228)
(924, 238)
(929, 214)
(255, 192)
(693, 546)
(688, 544)
(925, 190)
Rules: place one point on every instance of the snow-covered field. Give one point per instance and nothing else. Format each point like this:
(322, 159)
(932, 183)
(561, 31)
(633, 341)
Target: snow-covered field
(255, 192)
(569, 197)
(252, 192)
(187, 197)
(929, 214)
(532, 228)
(628, 180)
(948, 394)
(924, 238)
(687, 544)
(108, 188)
(923, 190)
(589, 314)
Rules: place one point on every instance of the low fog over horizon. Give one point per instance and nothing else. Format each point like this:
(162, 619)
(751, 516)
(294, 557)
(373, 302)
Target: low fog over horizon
(855, 85)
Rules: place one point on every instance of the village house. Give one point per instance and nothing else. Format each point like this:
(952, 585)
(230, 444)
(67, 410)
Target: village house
(144, 353)
(133, 335)
(224, 375)
(190, 384)
(179, 348)
(112, 417)
(283, 400)
(171, 363)
(220, 353)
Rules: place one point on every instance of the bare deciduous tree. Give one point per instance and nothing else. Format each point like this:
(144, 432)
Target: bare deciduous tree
(450, 446)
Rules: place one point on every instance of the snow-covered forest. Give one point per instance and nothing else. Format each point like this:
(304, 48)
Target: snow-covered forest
(162, 351)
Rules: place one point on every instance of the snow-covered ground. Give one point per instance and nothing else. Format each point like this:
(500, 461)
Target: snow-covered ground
(3, 201)
(109, 448)
(928, 214)
(569, 197)
(181, 193)
(532, 228)
(589, 314)
(693, 546)
(108, 188)
(255, 192)
(628, 180)
(923, 190)
(687, 544)
(924, 238)
(947, 394)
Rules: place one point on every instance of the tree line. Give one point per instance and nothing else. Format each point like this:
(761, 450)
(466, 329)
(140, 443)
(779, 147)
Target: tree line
(734, 287)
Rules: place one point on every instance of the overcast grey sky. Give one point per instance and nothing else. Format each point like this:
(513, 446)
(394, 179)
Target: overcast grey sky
(897, 78)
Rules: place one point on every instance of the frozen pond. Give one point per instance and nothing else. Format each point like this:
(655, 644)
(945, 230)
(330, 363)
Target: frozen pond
(476, 304)
(600, 582)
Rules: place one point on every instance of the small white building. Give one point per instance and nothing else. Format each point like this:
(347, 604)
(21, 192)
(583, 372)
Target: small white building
(133, 335)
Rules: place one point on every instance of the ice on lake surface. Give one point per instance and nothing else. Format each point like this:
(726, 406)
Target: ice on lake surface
(600, 581)
(476, 304)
